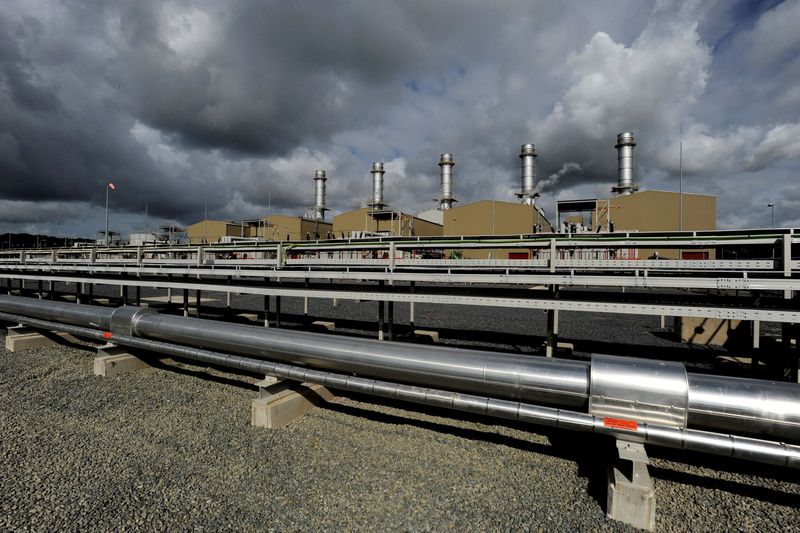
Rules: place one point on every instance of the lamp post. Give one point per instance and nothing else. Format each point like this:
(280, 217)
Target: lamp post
(772, 207)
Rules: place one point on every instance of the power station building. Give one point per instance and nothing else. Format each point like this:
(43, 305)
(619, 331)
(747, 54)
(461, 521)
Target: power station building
(377, 219)
(627, 209)
(641, 211)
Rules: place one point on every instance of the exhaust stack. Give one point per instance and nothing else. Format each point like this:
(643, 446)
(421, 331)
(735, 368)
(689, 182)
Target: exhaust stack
(446, 164)
(528, 192)
(624, 146)
(377, 185)
(319, 195)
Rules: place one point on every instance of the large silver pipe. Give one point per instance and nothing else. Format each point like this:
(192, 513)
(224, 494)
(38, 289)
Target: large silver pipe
(775, 453)
(625, 173)
(446, 165)
(377, 185)
(713, 402)
(319, 195)
(531, 379)
(528, 156)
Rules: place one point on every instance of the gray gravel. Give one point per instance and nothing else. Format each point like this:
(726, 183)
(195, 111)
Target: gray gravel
(171, 448)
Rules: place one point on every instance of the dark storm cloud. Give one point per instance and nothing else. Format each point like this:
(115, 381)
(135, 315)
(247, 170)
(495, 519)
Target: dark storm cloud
(237, 103)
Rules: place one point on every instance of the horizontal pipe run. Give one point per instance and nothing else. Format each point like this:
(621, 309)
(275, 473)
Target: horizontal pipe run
(717, 403)
(757, 450)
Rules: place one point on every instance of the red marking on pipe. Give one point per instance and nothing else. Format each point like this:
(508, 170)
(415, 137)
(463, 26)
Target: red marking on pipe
(619, 423)
(106, 334)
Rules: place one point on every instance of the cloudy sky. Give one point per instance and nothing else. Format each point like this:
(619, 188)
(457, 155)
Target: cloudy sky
(239, 102)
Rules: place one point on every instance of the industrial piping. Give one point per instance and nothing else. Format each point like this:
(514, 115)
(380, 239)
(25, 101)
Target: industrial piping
(656, 392)
(527, 192)
(319, 195)
(377, 185)
(780, 454)
(446, 165)
(625, 175)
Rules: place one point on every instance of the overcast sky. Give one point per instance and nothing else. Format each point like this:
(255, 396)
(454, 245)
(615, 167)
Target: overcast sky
(240, 101)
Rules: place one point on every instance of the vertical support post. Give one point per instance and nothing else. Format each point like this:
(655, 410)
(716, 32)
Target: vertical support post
(306, 321)
(411, 313)
(756, 343)
(552, 327)
(228, 296)
(663, 323)
(197, 300)
(138, 296)
(553, 251)
(91, 293)
(380, 313)
(39, 287)
(391, 320)
(277, 311)
(52, 290)
(552, 332)
(185, 296)
(788, 331)
(266, 304)
(78, 292)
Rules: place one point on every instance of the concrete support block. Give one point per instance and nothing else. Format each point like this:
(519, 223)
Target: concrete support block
(631, 495)
(281, 403)
(24, 338)
(322, 324)
(112, 360)
(432, 336)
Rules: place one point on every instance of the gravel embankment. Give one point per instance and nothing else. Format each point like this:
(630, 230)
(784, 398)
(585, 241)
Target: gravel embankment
(172, 448)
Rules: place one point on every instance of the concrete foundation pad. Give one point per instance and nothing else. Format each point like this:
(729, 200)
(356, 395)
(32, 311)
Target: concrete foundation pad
(631, 495)
(321, 324)
(282, 403)
(112, 360)
(567, 347)
(249, 316)
(23, 338)
(433, 336)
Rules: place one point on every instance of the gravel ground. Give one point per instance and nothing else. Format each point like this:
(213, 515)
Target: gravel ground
(171, 448)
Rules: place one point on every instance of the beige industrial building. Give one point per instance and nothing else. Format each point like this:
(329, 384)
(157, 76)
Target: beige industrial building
(289, 228)
(493, 217)
(642, 211)
(369, 221)
(377, 219)
(213, 231)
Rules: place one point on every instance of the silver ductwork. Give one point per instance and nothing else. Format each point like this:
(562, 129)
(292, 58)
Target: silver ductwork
(446, 165)
(625, 174)
(319, 195)
(377, 185)
(528, 193)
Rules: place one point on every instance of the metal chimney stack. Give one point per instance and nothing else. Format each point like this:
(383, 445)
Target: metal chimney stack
(624, 146)
(528, 156)
(446, 164)
(377, 185)
(319, 195)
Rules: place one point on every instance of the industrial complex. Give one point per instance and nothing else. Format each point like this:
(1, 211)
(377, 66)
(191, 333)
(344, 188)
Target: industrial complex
(220, 299)
(625, 209)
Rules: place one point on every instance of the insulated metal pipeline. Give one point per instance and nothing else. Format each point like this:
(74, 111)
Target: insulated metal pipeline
(758, 450)
(714, 402)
